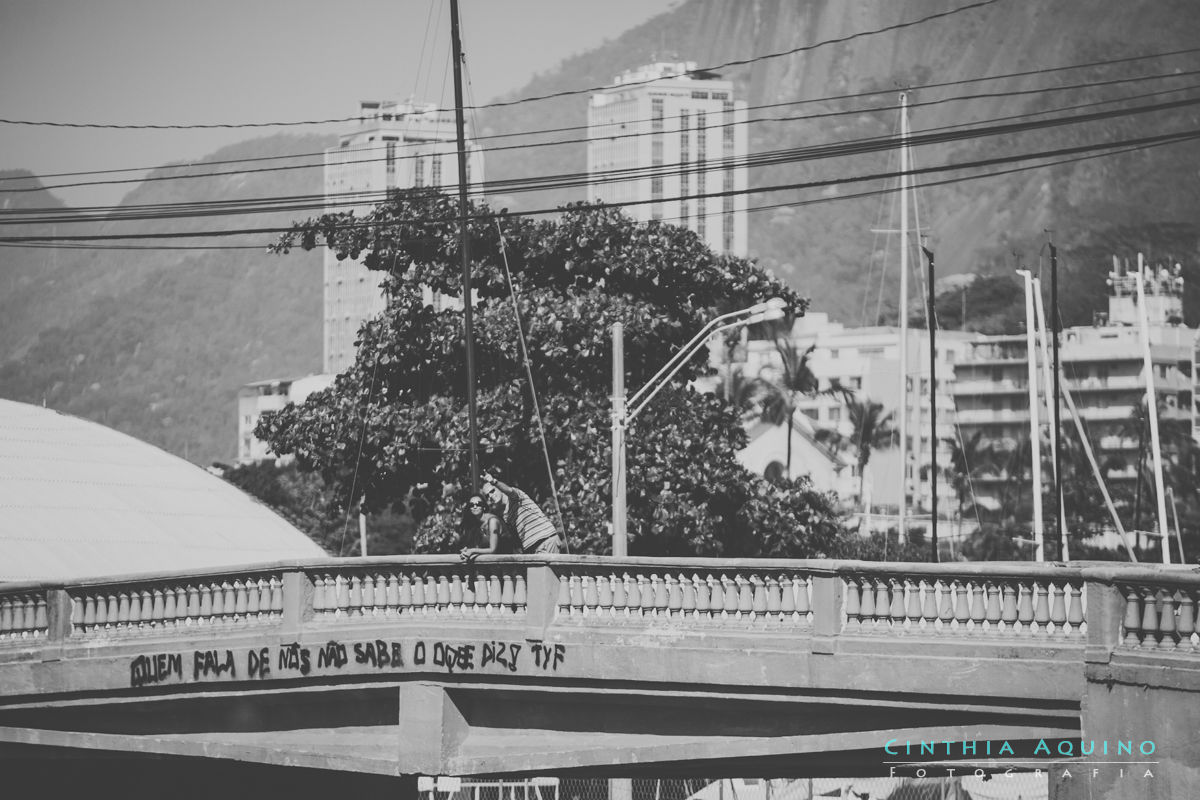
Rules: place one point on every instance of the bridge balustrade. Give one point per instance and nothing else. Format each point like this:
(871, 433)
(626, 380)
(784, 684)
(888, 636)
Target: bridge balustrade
(23, 615)
(597, 593)
(132, 607)
(974, 603)
(1156, 609)
(430, 590)
(1160, 615)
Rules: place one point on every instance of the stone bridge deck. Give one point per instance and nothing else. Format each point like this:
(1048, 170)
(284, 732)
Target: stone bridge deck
(422, 665)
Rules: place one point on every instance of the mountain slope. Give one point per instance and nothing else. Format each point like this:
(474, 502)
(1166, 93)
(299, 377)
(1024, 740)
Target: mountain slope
(825, 249)
(156, 342)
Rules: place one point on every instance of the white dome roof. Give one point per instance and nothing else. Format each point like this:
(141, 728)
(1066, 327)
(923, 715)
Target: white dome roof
(79, 500)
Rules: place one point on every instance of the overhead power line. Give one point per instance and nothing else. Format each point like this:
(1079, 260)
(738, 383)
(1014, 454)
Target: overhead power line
(716, 212)
(947, 134)
(826, 99)
(1138, 142)
(537, 132)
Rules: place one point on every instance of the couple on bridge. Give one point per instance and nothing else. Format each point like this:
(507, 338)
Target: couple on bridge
(519, 515)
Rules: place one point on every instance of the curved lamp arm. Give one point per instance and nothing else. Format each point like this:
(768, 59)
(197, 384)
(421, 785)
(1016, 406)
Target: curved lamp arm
(685, 352)
(762, 314)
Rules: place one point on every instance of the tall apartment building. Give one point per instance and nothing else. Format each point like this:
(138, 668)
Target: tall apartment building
(867, 362)
(662, 137)
(1104, 372)
(393, 146)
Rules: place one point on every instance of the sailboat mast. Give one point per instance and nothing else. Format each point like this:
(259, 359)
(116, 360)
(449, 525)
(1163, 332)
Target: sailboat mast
(1035, 442)
(931, 320)
(903, 393)
(1047, 381)
(1152, 412)
(1056, 332)
(464, 246)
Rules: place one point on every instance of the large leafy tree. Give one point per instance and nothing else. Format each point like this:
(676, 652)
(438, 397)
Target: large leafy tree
(392, 431)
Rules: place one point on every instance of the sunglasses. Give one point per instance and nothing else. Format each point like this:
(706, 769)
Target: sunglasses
(475, 504)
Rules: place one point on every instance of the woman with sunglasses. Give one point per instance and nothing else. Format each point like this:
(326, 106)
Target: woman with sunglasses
(479, 523)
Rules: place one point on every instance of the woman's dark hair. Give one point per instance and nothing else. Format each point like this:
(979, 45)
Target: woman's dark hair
(470, 522)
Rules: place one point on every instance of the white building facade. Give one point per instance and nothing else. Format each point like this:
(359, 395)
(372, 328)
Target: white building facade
(866, 361)
(394, 146)
(274, 395)
(1104, 371)
(662, 138)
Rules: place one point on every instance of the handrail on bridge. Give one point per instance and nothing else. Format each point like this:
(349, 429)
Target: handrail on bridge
(1101, 605)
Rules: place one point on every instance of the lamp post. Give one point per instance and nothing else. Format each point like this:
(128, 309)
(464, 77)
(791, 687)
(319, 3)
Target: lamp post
(623, 411)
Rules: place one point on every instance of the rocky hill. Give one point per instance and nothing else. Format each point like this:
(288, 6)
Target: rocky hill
(825, 248)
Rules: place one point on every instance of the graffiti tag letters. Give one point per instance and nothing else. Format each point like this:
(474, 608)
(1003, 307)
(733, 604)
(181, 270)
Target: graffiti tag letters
(294, 659)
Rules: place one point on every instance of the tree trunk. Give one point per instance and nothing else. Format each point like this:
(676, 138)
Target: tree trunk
(788, 471)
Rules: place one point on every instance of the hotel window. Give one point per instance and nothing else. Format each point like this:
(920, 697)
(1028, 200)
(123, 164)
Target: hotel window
(728, 133)
(391, 163)
(419, 171)
(685, 155)
(437, 170)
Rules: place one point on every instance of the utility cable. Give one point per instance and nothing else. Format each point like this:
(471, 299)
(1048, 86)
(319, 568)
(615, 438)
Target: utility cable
(635, 134)
(512, 292)
(536, 132)
(749, 210)
(770, 158)
(1174, 137)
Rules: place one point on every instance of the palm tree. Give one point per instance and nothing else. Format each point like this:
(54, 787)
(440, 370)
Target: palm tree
(742, 394)
(870, 430)
(1181, 453)
(1013, 462)
(778, 403)
(969, 458)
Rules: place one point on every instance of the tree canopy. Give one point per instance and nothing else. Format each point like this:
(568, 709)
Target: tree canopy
(392, 430)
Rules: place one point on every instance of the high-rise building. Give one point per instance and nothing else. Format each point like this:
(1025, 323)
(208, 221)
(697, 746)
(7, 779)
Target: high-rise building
(667, 141)
(1103, 367)
(393, 146)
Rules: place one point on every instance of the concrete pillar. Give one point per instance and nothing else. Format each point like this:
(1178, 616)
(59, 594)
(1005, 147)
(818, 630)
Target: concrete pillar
(58, 614)
(431, 728)
(297, 601)
(541, 599)
(1105, 611)
(827, 593)
(620, 789)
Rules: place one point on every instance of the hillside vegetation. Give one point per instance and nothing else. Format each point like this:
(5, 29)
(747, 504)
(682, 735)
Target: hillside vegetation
(156, 342)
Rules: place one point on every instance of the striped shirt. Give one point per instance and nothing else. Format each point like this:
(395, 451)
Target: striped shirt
(531, 524)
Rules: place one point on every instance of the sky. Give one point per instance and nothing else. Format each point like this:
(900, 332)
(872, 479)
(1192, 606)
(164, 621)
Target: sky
(172, 62)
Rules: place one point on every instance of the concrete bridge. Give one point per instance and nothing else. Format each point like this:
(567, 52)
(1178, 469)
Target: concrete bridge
(320, 675)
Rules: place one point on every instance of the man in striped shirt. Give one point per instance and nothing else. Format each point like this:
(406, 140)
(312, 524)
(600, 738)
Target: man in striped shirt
(535, 530)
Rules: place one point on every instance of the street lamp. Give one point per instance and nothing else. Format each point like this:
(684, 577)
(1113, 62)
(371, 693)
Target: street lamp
(624, 411)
